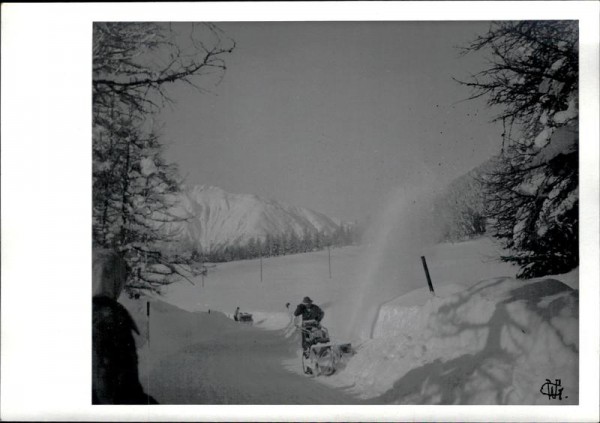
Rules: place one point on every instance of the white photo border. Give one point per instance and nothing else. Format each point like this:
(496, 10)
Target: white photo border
(46, 206)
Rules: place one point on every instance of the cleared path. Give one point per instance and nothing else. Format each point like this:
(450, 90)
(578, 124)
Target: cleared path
(243, 366)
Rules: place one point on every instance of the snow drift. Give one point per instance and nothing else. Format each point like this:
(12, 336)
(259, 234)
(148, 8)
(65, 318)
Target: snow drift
(494, 343)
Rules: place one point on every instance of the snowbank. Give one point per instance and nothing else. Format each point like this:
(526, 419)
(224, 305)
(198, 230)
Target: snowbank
(407, 313)
(494, 343)
(171, 329)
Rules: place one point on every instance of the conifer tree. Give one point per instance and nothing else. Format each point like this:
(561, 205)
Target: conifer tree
(532, 191)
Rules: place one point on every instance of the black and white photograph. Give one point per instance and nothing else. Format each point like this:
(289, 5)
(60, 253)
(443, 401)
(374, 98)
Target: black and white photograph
(329, 212)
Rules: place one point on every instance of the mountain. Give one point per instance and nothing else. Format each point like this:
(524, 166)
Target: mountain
(217, 218)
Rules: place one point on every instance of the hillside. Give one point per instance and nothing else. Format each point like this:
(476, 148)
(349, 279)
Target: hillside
(350, 298)
(217, 218)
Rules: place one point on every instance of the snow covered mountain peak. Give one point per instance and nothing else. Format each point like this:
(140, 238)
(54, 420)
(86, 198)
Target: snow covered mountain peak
(200, 190)
(220, 218)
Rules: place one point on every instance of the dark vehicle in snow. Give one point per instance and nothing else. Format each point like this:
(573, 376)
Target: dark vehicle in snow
(245, 318)
(242, 317)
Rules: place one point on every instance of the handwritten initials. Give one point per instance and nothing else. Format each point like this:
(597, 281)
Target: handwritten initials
(552, 390)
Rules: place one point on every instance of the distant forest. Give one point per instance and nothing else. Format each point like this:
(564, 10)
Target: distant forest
(284, 244)
(460, 210)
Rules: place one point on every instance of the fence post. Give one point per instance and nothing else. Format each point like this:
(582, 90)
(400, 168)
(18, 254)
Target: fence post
(148, 320)
(148, 338)
(329, 254)
(427, 274)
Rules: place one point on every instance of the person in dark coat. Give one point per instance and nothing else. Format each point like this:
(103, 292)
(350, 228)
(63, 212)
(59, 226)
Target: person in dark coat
(115, 377)
(308, 311)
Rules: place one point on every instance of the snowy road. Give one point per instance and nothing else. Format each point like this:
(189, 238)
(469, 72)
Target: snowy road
(243, 366)
(492, 342)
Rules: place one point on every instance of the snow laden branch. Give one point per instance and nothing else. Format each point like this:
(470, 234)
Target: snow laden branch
(533, 67)
(134, 62)
(135, 191)
(532, 187)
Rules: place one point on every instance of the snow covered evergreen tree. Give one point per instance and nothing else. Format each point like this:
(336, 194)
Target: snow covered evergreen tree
(134, 188)
(533, 190)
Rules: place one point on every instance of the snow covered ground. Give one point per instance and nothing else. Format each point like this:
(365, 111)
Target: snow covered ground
(494, 343)
(202, 358)
(484, 338)
(352, 294)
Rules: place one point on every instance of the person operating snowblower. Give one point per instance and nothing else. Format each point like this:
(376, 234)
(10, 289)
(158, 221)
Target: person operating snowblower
(311, 316)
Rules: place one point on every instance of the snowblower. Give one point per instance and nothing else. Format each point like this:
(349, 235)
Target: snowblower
(245, 318)
(320, 356)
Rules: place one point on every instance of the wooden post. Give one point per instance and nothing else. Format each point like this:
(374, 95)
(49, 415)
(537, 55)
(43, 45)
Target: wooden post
(202, 272)
(427, 274)
(329, 255)
(261, 272)
(148, 321)
(148, 338)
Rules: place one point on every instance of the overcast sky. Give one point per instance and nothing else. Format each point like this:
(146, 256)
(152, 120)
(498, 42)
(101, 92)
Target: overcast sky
(334, 116)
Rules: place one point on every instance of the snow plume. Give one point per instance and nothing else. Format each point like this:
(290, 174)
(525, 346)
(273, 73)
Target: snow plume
(392, 267)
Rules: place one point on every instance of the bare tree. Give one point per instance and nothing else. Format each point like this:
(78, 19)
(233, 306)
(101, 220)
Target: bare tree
(135, 191)
(133, 63)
